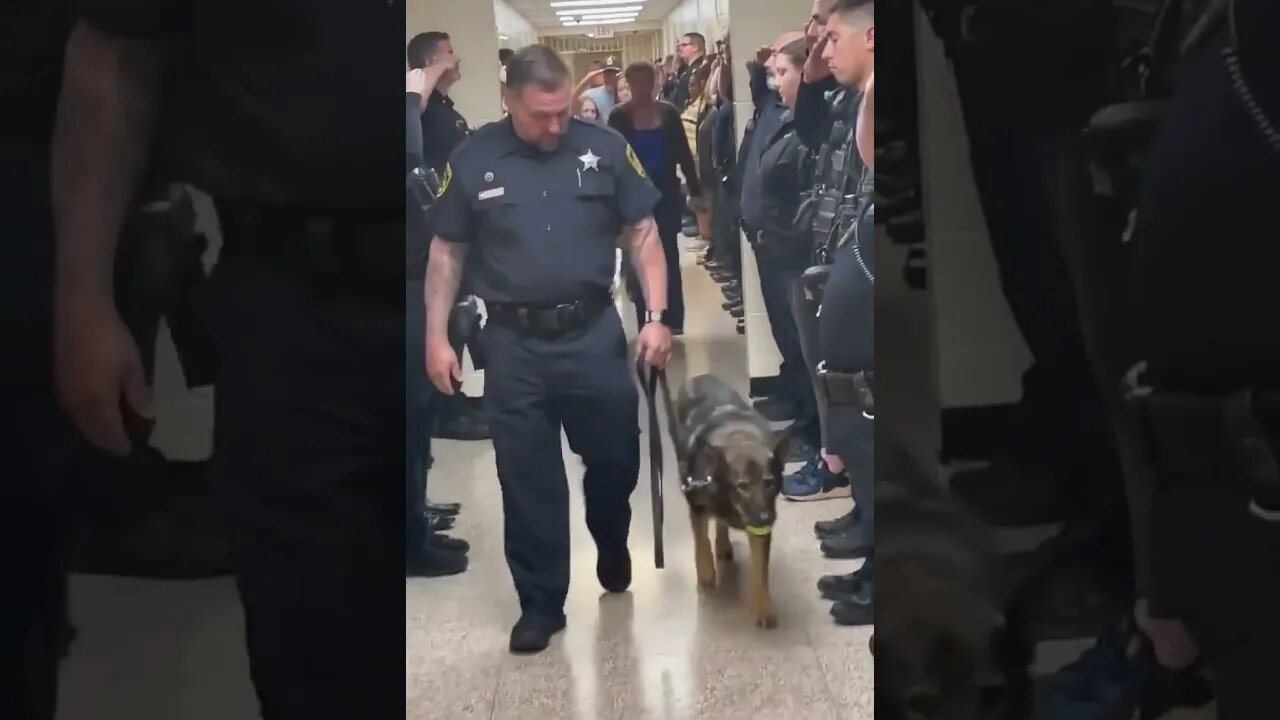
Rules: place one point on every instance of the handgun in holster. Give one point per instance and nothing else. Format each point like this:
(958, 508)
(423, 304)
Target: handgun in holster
(1193, 439)
(849, 389)
(422, 187)
(464, 327)
(160, 273)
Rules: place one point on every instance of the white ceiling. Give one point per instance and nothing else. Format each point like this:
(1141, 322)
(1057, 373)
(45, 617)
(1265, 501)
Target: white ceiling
(541, 15)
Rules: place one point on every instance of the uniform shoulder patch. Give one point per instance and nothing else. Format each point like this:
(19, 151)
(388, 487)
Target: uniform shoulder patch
(446, 179)
(635, 162)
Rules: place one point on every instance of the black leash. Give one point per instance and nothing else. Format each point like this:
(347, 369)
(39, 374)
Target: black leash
(651, 381)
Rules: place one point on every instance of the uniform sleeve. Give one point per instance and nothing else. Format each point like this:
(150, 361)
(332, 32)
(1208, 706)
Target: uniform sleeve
(452, 216)
(636, 194)
(813, 112)
(142, 19)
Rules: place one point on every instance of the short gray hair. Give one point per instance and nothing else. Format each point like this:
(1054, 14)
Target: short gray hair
(537, 65)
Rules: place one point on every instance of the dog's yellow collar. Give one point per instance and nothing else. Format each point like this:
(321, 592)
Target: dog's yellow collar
(759, 530)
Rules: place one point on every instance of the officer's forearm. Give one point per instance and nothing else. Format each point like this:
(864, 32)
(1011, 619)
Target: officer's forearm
(444, 276)
(650, 263)
(100, 152)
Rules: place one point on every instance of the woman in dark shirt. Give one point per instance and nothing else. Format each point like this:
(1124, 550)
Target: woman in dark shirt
(654, 130)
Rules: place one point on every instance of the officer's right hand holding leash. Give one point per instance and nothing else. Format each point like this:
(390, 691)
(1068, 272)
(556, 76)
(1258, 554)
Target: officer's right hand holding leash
(654, 344)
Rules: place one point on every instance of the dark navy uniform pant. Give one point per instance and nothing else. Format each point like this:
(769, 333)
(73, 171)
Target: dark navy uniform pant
(307, 435)
(780, 267)
(420, 401)
(534, 387)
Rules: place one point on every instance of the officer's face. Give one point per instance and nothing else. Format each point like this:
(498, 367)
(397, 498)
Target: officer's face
(641, 84)
(850, 49)
(540, 116)
(787, 78)
(816, 27)
(445, 54)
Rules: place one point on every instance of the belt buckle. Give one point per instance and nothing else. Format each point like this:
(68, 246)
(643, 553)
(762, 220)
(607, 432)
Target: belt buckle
(1252, 450)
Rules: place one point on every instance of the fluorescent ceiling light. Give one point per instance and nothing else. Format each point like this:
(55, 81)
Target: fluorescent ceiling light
(609, 19)
(603, 16)
(586, 11)
(592, 3)
(572, 23)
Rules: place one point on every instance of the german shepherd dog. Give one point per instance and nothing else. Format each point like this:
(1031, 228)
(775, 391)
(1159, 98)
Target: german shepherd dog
(731, 465)
(950, 641)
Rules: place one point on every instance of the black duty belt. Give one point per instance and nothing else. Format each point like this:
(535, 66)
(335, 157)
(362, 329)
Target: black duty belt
(1199, 439)
(849, 389)
(547, 320)
(361, 253)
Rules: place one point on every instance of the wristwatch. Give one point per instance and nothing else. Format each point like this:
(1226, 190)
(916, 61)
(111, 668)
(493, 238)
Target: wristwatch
(652, 316)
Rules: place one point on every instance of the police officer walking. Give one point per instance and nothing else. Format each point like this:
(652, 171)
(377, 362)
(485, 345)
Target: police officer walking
(531, 207)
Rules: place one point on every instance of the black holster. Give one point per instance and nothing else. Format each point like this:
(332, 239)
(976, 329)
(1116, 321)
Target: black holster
(464, 328)
(1197, 439)
(849, 389)
(160, 273)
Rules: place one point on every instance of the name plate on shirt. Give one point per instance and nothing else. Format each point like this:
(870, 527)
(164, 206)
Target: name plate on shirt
(495, 192)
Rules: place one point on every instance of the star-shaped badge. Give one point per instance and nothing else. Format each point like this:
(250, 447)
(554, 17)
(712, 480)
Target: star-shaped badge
(590, 161)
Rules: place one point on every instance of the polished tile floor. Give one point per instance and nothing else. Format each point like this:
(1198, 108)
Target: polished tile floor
(174, 651)
(664, 650)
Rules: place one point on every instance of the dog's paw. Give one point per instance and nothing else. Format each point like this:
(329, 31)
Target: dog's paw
(707, 576)
(768, 621)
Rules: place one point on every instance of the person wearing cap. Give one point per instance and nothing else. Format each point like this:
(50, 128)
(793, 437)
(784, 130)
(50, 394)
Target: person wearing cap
(604, 90)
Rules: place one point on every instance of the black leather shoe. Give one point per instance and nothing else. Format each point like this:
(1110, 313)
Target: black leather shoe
(614, 571)
(827, 528)
(741, 327)
(533, 633)
(1013, 492)
(850, 545)
(775, 409)
(451, 544)
(439, 523)
(432, 561)
(837, 587)
(469, 426)
(449, 509)
(857, 609)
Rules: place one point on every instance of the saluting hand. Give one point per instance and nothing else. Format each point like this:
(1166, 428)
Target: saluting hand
(442, 366)
(654, 344)
(815, 67)
(415, 81)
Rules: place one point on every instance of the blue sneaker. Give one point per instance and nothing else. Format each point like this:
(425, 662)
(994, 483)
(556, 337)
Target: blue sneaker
(1118, 679)
(814, 482)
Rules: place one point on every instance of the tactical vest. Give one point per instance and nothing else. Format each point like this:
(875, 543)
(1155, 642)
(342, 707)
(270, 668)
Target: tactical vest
(843, 183)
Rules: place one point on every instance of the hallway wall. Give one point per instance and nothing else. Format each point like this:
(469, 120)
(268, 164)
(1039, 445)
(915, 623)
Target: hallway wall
(514, 31)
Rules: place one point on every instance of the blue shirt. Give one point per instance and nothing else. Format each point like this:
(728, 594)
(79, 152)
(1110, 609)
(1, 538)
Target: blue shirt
(604, 98)
(651, 148)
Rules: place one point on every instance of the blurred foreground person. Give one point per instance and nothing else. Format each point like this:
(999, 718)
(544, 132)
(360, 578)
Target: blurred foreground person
(304, 304)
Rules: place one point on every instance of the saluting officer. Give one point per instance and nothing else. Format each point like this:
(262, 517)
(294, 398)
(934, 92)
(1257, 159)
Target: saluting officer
(533, 205)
